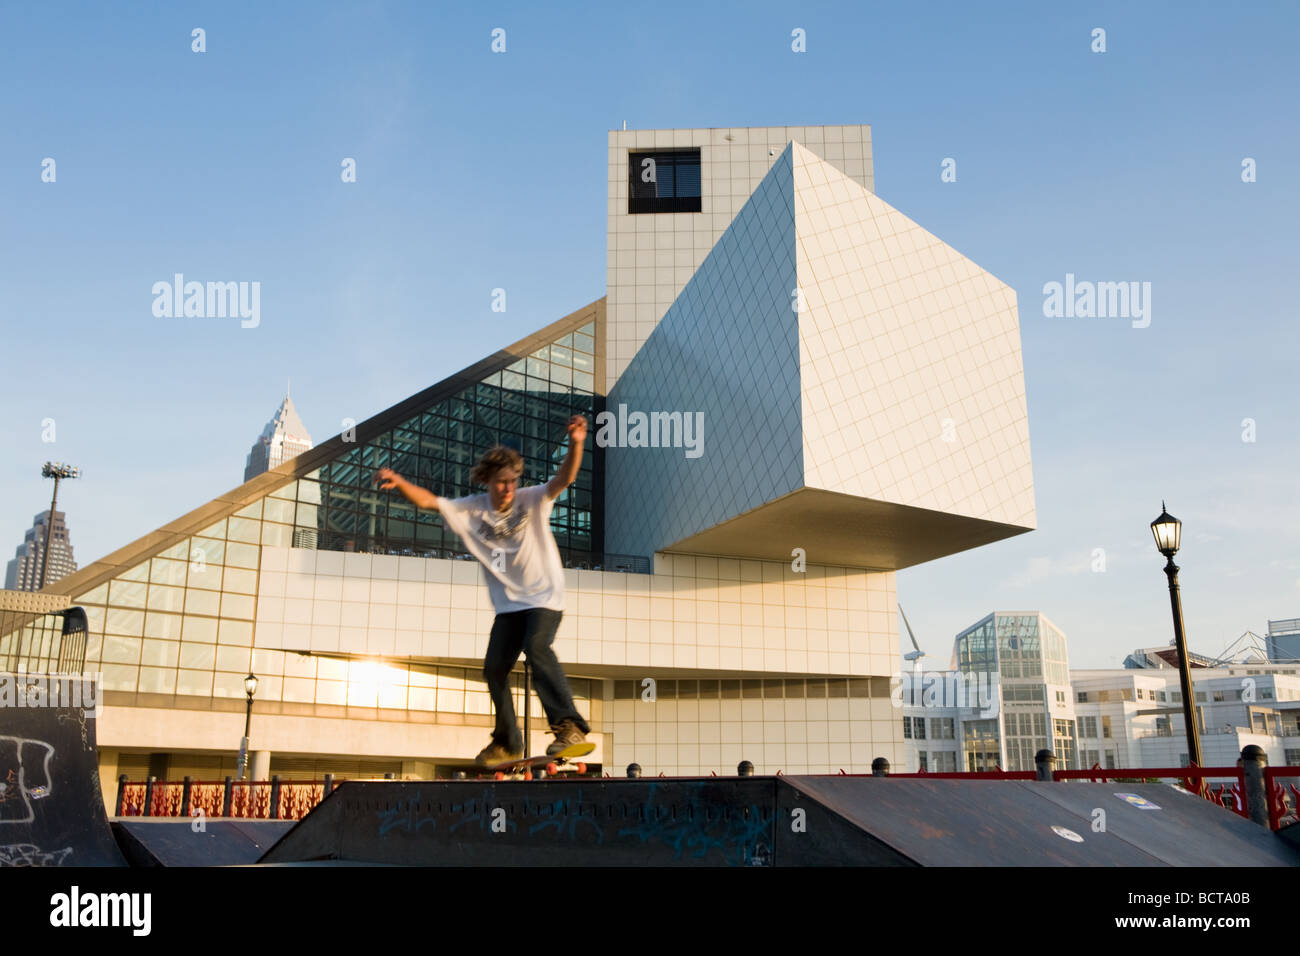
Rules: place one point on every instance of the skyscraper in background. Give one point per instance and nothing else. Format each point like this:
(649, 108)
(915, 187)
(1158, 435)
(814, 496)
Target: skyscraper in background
(283, 438)
(23, 572)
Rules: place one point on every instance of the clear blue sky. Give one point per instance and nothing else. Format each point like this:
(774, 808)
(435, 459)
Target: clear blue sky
(479, 170)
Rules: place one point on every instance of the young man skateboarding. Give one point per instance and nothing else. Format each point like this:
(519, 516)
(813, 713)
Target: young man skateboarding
(509, 531)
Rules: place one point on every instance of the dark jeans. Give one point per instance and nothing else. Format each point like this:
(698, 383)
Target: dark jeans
(531, 631)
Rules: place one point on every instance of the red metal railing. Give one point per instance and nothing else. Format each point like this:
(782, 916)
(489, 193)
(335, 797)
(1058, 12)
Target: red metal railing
(248, 799)
(252, 799)
(1283, 799)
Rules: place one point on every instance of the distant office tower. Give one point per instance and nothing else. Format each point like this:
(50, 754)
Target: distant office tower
(283, 438)
(23, 573)
(1284, 640)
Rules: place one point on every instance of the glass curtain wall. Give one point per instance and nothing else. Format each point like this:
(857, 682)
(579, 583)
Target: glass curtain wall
(181, 622)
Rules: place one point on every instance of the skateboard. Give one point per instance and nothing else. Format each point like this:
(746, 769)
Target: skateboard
(551, 765)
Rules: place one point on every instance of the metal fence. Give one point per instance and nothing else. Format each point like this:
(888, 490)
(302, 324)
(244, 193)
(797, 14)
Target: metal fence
(272, 799)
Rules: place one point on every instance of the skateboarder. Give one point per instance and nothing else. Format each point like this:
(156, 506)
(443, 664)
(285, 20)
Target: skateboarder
(509, 531)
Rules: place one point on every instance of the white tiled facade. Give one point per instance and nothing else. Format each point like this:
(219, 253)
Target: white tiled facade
(910, 373)
(651, 257)
(726, 353)
(830, 343)
(694, 617)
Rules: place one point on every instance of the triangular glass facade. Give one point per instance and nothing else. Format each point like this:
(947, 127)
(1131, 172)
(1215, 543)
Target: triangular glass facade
(181, 621)
(525, 406)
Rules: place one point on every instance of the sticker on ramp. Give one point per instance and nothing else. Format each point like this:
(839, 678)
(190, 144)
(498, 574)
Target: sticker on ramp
(1067, 834)
(1142, 803)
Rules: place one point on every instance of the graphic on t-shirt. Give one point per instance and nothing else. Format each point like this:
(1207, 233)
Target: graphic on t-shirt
(521, 563)
(508, 527)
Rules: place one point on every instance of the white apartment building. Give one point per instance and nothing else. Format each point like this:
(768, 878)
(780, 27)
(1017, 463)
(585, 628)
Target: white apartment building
(1112, 719)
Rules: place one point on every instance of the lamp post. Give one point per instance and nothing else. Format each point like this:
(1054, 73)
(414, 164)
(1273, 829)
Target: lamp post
(1168, 532)
(58, 471)
(250, 688)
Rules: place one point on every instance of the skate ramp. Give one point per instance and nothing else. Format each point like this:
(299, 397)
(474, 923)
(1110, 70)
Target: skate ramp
(51, 807)
(156, 841)
(774, 821)
(1032, 823)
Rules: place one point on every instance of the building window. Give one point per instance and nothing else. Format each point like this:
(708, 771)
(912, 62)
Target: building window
(1087, 726)
(1110, 760)
(1293, 758)
(1081, 697)
(1060, 697)
(918, 728)
(907, 728)
(921, 761)
(664, 181)
(1105, 726)
(941, 728)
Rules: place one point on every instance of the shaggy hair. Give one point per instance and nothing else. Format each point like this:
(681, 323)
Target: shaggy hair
(498, 456)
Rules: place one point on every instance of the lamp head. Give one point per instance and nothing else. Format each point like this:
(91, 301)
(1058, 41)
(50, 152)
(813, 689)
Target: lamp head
(1168, 532)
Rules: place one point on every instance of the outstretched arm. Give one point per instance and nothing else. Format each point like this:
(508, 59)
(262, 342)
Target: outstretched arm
(577, 429)
(420, 497)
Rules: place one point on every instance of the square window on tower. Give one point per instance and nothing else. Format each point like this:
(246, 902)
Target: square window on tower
(664, 181)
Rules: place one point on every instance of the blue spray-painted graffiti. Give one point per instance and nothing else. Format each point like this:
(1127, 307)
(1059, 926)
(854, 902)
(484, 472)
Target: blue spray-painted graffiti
(566, 822)
(741, 837)
(738, 835)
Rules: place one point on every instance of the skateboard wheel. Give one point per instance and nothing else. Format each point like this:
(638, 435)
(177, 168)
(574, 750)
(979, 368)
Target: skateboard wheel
(528, 775)
(550, 768)
(582, 768)
(498, 775)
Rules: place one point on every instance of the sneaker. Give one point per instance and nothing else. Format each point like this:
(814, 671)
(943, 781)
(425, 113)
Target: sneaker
(494, 754)
(567, 733)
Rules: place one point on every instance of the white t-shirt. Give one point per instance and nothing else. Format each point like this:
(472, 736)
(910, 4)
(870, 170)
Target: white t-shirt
(521, 562)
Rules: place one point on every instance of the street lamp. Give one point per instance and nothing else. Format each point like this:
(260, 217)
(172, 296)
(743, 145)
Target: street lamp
(250, 688)
(1168, 532)
(58, 471)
